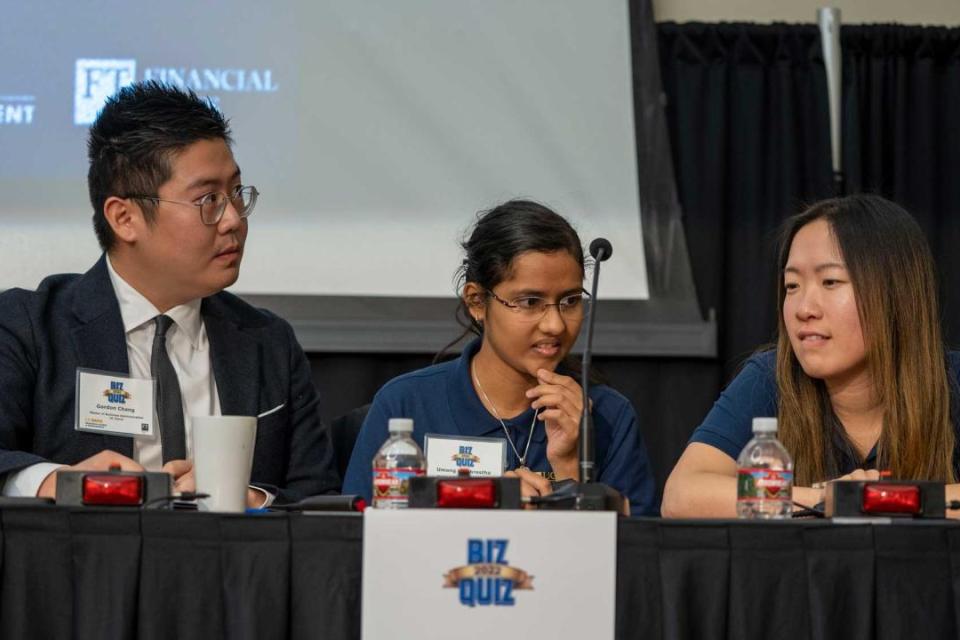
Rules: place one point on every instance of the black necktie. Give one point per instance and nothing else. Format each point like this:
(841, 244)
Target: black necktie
(169, 405)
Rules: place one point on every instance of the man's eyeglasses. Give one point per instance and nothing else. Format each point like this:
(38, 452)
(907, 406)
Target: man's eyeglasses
(212, 205)
(533, 307)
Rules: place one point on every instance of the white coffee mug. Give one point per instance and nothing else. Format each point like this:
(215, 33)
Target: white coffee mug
(222, 459)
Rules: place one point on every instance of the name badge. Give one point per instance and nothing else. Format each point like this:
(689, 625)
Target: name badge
(114, 403)
(482, 457)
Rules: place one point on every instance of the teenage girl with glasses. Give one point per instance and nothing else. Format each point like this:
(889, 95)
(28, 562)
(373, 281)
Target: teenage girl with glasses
(521, 294)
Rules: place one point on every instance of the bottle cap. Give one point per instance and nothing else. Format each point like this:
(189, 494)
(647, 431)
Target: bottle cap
(400, 424)
(764, 425)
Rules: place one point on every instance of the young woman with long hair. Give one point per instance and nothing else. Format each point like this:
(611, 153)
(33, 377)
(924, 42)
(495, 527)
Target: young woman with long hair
(859, 380)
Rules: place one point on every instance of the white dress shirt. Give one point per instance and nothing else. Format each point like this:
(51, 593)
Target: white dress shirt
(189, 351)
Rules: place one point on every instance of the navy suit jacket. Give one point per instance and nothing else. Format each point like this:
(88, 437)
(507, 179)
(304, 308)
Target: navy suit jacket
(74, 321)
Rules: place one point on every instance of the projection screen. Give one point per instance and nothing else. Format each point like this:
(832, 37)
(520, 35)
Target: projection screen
(375, 130)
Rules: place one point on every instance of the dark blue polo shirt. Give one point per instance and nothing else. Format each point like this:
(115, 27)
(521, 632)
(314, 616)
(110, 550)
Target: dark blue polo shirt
(441, 399)
(753, 393)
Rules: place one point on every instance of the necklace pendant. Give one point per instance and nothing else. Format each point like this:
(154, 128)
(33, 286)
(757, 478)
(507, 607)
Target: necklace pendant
(496, 414)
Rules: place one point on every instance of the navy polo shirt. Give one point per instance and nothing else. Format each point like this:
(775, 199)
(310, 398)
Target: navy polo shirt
(753, 393)
(441, 399)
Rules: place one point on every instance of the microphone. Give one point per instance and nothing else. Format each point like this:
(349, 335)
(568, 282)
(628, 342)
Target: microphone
(588, 494)
(601, 250)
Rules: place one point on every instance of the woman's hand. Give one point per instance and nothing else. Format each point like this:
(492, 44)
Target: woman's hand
(811, 496)
(860, 474)
(560, 401)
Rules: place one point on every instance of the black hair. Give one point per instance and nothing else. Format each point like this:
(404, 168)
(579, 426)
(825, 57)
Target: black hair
(499, 236)
(136, 134)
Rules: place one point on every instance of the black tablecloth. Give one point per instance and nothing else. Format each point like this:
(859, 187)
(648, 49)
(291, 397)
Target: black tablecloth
(787, 580)
(108, 574)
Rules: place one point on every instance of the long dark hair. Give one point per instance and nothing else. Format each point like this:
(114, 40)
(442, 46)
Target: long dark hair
(498, 237)
(892, 273)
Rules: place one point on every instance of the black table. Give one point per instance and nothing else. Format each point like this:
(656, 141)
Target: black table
(108, 574)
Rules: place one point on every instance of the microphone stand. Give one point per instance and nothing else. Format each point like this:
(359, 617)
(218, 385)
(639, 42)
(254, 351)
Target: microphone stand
(588, 494)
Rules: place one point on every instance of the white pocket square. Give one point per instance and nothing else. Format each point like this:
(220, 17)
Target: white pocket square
(274, 410)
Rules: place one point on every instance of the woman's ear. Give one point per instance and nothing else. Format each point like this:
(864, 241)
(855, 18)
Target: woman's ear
(475, 298)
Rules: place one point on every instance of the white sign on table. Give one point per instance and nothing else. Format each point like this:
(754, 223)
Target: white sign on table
(465, 574)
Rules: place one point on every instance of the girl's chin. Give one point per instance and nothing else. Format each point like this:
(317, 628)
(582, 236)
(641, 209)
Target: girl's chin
(536, 363)
(829, 374)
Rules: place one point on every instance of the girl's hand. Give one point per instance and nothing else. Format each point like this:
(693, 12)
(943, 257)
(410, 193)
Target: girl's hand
(560, 401)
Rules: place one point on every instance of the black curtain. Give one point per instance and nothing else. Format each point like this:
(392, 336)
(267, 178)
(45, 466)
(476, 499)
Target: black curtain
(748, 119)
(902, 113)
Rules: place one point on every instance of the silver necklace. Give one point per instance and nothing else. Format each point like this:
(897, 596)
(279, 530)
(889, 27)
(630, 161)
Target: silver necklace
(506, 432)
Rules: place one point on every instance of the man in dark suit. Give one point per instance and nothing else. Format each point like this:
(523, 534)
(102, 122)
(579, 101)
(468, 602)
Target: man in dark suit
(170, 213)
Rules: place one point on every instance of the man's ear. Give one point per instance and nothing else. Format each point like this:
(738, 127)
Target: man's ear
(125, 217)
(475, 299)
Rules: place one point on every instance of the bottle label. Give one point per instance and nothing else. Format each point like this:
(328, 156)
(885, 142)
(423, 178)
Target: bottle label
(763, 484)
(393, 485)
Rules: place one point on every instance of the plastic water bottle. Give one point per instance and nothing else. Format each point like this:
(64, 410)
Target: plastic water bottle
(764, 475)
(398, 460)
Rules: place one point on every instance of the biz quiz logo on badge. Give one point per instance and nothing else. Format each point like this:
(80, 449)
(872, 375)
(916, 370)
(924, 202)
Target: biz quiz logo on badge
(487, 578)
(465, 458)
(95, 81)
(116, 394)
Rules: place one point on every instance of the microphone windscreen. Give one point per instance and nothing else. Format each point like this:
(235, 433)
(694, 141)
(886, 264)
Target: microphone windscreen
(601, 245)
